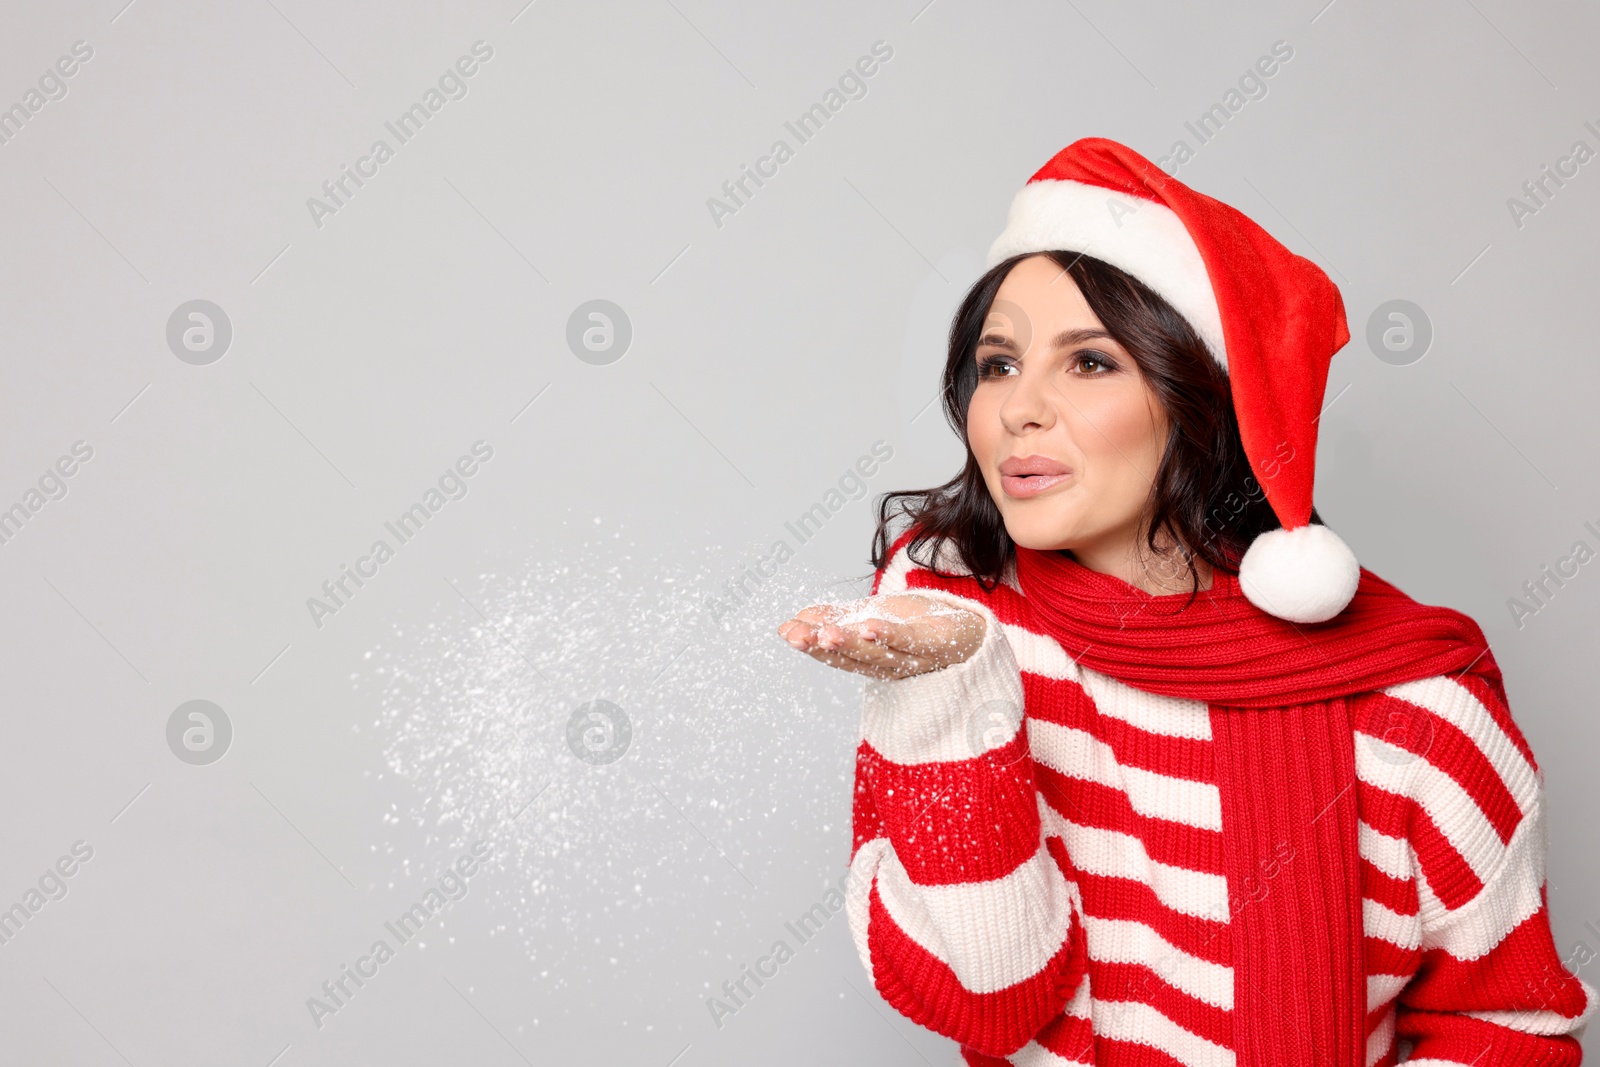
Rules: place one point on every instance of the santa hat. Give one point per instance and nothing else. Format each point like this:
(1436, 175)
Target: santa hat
(1272, 320)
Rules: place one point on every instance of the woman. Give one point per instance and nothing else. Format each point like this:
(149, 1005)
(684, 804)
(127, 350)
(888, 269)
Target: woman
(1266, 809)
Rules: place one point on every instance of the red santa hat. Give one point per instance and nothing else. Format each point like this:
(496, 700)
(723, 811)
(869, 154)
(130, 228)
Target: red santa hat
(1272, 320)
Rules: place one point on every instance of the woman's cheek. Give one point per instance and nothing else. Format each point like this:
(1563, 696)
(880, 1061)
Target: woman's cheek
(1127, 421)
(982, 428)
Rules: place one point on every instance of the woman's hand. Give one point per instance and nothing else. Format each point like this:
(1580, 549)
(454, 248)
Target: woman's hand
(886, 636)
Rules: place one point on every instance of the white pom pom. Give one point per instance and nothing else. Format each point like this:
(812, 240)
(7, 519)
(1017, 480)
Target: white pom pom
(1306, 574)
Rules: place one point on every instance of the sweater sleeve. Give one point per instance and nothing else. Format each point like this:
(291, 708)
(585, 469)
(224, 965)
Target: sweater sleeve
(968, 920)
(1490, 987)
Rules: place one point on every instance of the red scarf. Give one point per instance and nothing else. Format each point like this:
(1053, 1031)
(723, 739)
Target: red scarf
(1284, 751)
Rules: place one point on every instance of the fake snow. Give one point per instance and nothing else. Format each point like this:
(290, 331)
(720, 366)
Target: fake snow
(650, 762)
(867, 609)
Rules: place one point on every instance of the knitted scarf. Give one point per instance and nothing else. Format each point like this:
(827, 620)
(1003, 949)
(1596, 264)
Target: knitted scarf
(1284, 752)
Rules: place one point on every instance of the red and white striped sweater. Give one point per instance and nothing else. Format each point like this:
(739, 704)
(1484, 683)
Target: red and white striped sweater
(1061, 898)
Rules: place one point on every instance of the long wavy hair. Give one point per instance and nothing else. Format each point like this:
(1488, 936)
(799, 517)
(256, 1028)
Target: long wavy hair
(1204, 498)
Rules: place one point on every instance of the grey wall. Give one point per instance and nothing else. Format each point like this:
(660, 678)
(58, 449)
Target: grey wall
(369, 747)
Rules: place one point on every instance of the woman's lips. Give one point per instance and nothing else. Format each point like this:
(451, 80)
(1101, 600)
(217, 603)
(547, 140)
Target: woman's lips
(1026, 485)
(1025, 476)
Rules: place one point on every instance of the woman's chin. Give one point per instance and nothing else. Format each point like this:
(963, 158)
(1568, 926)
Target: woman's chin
(1041, 536)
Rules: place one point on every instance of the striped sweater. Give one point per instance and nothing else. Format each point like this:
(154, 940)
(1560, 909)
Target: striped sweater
(1051, 890)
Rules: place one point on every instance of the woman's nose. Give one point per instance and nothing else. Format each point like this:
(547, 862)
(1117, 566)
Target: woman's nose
(1028, 405)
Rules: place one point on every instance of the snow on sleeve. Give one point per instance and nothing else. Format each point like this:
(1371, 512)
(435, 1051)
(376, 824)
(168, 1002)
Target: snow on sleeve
(968, 922)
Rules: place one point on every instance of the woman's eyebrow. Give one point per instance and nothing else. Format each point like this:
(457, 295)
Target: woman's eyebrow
(1073, 337)
(1064, 339)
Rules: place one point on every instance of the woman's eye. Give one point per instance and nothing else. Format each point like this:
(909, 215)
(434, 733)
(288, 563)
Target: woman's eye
(1093, 363)
(994, 367)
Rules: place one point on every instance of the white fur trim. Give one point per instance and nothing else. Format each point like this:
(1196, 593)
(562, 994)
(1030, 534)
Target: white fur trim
(1307, 574)
(1142, 237)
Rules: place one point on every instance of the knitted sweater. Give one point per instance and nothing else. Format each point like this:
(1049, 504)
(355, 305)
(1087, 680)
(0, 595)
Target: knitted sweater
(1051, 891)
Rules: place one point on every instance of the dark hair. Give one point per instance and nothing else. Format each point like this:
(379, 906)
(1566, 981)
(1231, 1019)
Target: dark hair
(1204, 494)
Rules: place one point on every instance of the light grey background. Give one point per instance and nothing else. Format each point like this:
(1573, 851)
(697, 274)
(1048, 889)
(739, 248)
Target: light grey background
(768, 354)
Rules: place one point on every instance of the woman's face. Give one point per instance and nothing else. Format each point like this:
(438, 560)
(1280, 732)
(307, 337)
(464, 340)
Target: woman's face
(1063, 423)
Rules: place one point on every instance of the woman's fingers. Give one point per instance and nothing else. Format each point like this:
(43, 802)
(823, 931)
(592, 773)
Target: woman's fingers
(826, 637)
(817, 614)
(883, 665)
(796, 632)
(851, 638)
(801, 631)
(851, 647)
(907, 636)
(898, 636)
(897, 659)
(939, 640)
